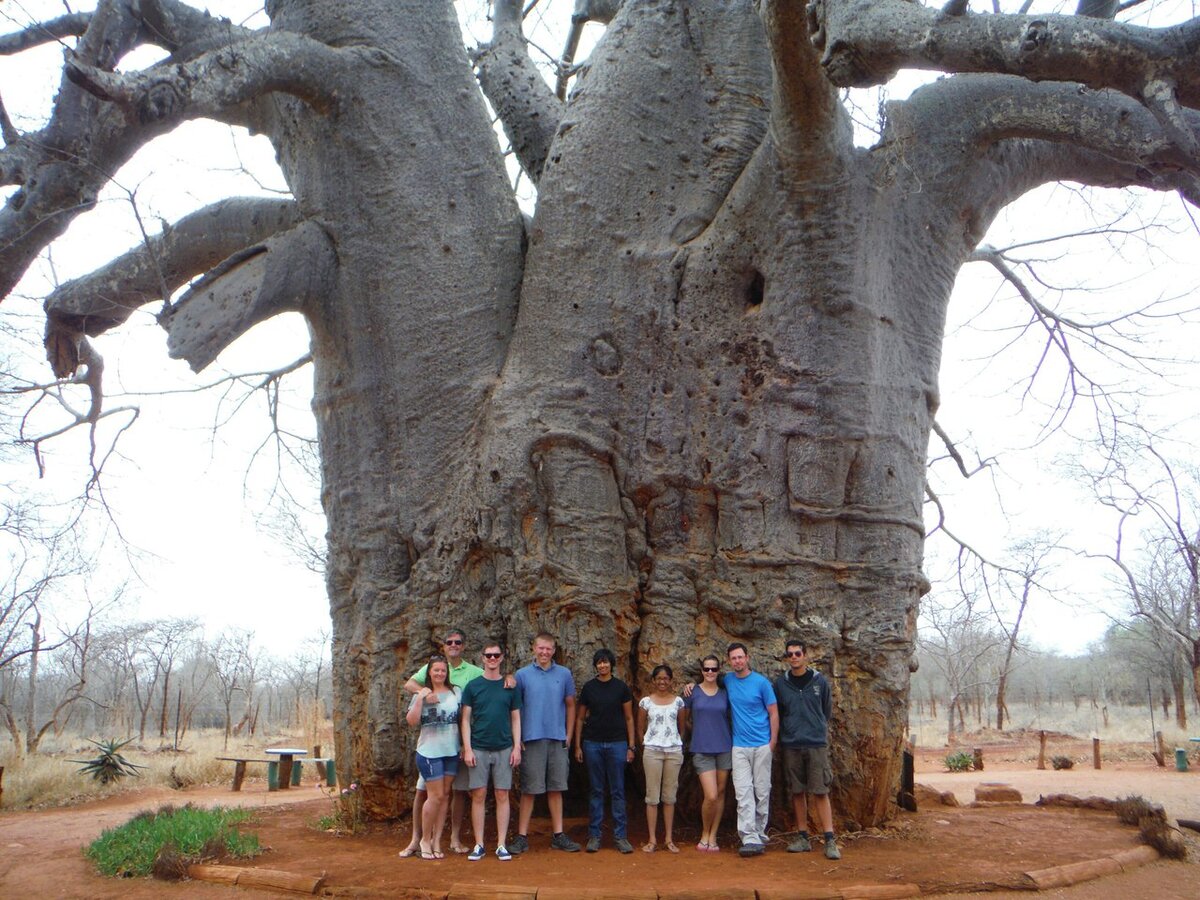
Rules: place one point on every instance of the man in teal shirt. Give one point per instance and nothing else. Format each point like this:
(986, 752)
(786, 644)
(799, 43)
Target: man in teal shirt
(491, 733)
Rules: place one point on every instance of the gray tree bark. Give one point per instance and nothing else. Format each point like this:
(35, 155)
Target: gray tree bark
(690, 404)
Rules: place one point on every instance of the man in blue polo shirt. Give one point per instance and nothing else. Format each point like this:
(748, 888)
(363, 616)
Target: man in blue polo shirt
(755, 733)
(547, 718)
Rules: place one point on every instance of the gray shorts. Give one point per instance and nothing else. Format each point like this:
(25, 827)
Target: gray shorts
(493, 765)
(544, 767)
(711, 762)
(806, 770)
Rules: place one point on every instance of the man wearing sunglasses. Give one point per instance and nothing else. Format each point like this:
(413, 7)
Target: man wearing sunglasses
(805, 708)
(491, 740)
(462, 673)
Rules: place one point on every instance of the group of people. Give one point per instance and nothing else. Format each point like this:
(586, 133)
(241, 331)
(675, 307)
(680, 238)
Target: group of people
(478, 724)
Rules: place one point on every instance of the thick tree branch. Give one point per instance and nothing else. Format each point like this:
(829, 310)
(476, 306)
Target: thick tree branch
(984, 140)
(585, 11)
(223, 78)
(289, 271)
(808, 122)
(70, 25)
(107, 297)
(865, 42)
(528, 109)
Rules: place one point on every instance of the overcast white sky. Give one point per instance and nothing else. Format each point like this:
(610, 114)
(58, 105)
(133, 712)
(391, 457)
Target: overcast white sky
(188, 502)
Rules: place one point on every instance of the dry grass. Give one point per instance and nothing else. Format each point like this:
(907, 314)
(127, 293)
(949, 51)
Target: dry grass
(1127, 734)
(49, 778)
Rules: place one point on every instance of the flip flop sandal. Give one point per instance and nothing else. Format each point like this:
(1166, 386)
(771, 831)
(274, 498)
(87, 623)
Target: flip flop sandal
(671, 846)
(409, 852)
(649, 848)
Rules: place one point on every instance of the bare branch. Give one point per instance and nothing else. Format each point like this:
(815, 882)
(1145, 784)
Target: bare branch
(8, 131)
(107, 297)
(866, 44)
(528, 109)
(72, 25)
(808, 122)
(952, 449)
(287, 272)
(225, 77)
(585, 11)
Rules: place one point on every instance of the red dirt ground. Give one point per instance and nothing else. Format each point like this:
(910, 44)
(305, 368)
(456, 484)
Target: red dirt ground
(943, 849)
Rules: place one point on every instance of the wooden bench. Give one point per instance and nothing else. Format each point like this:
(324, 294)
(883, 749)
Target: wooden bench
(239, 770)
(326, 770)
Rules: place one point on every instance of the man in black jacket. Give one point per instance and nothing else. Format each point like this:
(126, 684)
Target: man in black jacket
(805, 707)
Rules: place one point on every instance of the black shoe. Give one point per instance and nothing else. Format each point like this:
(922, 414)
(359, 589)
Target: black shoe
(561, 842)
(748, 850)
(518, 845)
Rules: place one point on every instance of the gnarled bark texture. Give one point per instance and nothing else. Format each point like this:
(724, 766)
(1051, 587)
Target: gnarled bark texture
(690, 402)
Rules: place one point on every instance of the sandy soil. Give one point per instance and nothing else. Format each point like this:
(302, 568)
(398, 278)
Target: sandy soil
(944, 849)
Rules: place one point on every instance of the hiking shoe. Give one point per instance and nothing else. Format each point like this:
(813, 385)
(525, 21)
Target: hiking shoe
(477, 853)
(519, 845)
(800, 844)
(623, 845)
(748, 850)
(593, 844)
(831, 849)
(502, 854)
(561, 842)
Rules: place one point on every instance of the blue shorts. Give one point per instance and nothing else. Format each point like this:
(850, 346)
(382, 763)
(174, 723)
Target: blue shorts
(439, 767)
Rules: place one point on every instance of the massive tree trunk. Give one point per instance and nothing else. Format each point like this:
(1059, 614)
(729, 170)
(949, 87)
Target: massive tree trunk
(688, 404)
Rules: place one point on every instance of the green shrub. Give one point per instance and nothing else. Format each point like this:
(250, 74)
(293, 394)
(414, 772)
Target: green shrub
(960, 761)
(168, 840)
(1062, 762)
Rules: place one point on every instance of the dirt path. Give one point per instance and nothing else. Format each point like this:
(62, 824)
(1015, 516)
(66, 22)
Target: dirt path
(941, 848)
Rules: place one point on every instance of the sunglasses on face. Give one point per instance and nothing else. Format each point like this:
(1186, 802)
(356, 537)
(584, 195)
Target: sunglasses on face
(493, 655)
(454, 642)
(795, 653)
(709, 669)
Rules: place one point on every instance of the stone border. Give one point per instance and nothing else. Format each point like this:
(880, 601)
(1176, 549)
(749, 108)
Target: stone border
(1039, 880)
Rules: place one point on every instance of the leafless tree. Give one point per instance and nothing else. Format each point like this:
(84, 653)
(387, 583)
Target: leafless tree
(229, 656)
(1165, 591)
(961, 639)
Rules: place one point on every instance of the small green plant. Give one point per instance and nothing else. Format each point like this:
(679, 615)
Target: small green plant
(165, 842)
(1062, 762)
(960, 761)
(109, 765)
(347, 814)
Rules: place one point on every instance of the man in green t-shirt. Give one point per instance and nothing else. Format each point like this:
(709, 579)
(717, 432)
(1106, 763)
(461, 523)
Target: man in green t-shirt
(462, 673)
(490, 718)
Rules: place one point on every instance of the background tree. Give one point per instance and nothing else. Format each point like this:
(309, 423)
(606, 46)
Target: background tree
(691, 401)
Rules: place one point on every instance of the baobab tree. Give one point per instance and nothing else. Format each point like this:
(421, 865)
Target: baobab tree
(689, 400)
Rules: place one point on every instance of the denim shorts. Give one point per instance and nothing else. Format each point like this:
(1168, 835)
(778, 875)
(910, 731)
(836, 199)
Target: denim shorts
(438, 767)
(461, 779)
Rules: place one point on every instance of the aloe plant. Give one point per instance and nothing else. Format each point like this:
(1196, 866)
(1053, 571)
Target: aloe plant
(110, 765)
